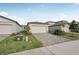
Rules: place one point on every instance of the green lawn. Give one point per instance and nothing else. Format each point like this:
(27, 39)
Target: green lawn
(9, 45)
(71, 36)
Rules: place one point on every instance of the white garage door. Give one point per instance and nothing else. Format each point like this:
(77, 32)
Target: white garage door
(39, 29)
(5, 29)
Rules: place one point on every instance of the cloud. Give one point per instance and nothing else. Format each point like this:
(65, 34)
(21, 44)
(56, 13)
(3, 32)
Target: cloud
(69, 18)
(63, 16)
(3, 13)
(13, 17)
(66, 17)
(16, 18)
(75, 18)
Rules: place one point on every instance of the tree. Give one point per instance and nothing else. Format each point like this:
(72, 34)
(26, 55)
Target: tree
(73, 26)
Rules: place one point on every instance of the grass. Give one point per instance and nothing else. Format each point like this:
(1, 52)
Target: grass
(9, 45)
(71, 36)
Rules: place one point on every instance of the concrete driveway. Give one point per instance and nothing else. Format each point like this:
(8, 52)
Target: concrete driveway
(49, 39)
(3, 36)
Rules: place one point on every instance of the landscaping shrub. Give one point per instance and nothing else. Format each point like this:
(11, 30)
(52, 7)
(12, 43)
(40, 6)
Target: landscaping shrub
(20, 38)
(13, 34)
(58, 32)
(17, 33)
(25, 32)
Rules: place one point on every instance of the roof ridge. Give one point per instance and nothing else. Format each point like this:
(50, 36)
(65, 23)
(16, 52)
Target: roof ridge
(10, 19)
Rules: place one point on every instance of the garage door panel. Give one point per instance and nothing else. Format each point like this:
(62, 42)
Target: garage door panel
(38, 29)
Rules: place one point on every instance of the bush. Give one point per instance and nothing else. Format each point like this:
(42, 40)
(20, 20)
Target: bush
(58, 32)
(75, 30)
(17, 33)
(13, 34)
(25, 32)
(20, 38)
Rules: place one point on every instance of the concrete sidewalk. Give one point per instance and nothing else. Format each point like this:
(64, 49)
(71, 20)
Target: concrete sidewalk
(37, 51)
(66, 48)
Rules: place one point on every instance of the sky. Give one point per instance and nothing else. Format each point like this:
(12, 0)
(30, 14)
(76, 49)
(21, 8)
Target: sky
(28, 12)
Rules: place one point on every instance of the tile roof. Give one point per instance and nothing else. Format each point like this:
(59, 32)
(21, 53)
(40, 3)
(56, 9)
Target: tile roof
(60, 23)
(37, 23)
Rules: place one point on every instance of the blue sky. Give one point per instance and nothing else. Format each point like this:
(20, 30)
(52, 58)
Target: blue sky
(24, 13)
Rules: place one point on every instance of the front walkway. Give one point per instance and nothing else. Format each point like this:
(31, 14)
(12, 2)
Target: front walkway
(49, 39)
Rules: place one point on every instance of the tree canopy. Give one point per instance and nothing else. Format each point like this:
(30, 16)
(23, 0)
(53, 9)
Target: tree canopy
(74, 26)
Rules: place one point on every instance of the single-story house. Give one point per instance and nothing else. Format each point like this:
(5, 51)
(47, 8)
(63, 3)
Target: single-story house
(60, 25)
(38, 27)
(50, 22)
(9, 26)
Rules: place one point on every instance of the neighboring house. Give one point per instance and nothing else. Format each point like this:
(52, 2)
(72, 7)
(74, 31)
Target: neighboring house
(9, 26)
(50, 22)
(61, 25)
(38, 27)
(23, 27)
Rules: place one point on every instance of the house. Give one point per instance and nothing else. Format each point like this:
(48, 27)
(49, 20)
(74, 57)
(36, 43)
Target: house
(60, 25)
(9, 26)
(38, 27)
(50, 22)
(23, 27)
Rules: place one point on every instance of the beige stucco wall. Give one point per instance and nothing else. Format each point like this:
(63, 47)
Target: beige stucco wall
(65, 28)
(38, 28)
(17, 27)
(8, 27)
(52, 29)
